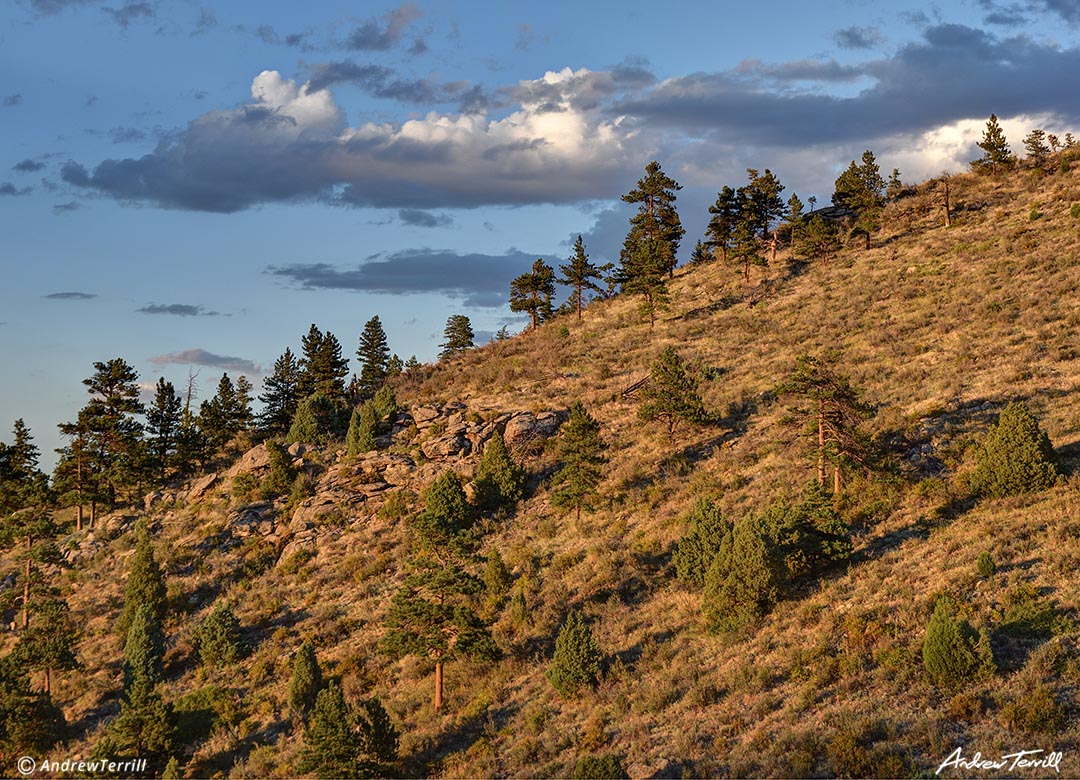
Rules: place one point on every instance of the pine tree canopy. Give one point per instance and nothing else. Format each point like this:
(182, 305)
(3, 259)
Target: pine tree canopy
(374, 355)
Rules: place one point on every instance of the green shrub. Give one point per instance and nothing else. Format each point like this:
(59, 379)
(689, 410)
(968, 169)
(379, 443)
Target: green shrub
(217, 637)
(303, 486)
(1036, 711)
(1016, 456)
(744, 579)
(577, 659)
(953, 652)
(985, 564)
(306, 681)
(1034, 214)
(282, 472)
(1074, 212)
(315, 421)
(244, 486)
(607, 767)
(696, 550)
(1025, 614)
(361, 435)
(385, 404)
(499, 482)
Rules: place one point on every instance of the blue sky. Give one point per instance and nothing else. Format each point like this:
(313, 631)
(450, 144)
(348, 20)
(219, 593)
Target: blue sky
(189, 185)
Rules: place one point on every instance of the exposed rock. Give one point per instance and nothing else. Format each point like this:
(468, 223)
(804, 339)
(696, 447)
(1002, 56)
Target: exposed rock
(253, 519)
(253, 460)
(425, 416)
(525, 430)
(117, 522)
(202, 486)
(447, 445)
(158, 498)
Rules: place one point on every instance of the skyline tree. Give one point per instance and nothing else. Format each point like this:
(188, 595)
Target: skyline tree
(860, 188)
(374, 356)
(458, 336)
(163, 428)
(578, 274)
(720, 232)
(322, 368)
(110, 418)
(997, 157)
(281, 395)
(1036, 147)
(532, 292)
(657, 221)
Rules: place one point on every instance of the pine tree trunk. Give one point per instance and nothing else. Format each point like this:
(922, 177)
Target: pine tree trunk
(78, 490)
(775, 239)
(26, 587)
(821, 442)
(48, 681)
(93, 511)
(438, 685)
(836, 480)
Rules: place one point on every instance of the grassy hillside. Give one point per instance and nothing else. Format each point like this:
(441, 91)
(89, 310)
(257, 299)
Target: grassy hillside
(939, 327)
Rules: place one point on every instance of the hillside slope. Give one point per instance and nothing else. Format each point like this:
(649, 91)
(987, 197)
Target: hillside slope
(938, 327)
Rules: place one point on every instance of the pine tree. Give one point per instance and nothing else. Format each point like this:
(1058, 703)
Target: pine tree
(75, 478)
(110, 417)
(894, 187)
(374, 355)
(316, 420)
(280, 396)
(30, 724)
(433, 614)
(499, 481)
(322, 368)
(217, 638)
(144, 650)
(306, 681)
(282, 472)
(794, 217)
(222, 417)
(671, 394)
(744, 579)
(341, 742)
(819, 240)
(859, 188)
(578, 274)
(395, 366)
(21, 481)
(696, 550)
(605, 767)
(459, 338)
(163, 427)
(361, 436)
(532, 291)
(145, 583)
(497, 581)
(699, 255)
(385, 405)
(577, 660)
(720, 231)
(48, 645)
(836, 413)
(651, 247)
(580, 449)
(657, 221)
(1036, 148)
(948, 650)
(997, 156)
(242, 416)
(1016, 457)
(31, 534)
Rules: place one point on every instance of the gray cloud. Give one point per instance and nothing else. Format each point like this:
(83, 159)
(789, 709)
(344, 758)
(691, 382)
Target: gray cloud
(525, 37)
(477, 279)
(125, 135)
(28, 166)
(200, 357)
(177, 309)
(421, 218)
(66, 208)
(371, 36)
(382, 82)
(858, 38)
(1069, 10)
(70, 296)
(131, 12)
(9, 189)
(955, 72)
(13, 100)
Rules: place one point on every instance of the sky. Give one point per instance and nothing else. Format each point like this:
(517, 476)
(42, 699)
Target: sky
(190, 185)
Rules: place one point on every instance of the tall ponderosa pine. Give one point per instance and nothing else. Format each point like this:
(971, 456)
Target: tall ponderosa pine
(280, 396)
(578, 274)
(1036, 147)
(532, 292)
(163, 427)
(30, 724)
(227, 413)
(997, 157)
(671, 394)
(374, 355)
(110, 416)
(458, 336)
(48, 645)
(836, 413)
(434, 615)
(31, 535)
(75, 478)
(651, 247)
(499, 481)
(21, 481)
(580, 449)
